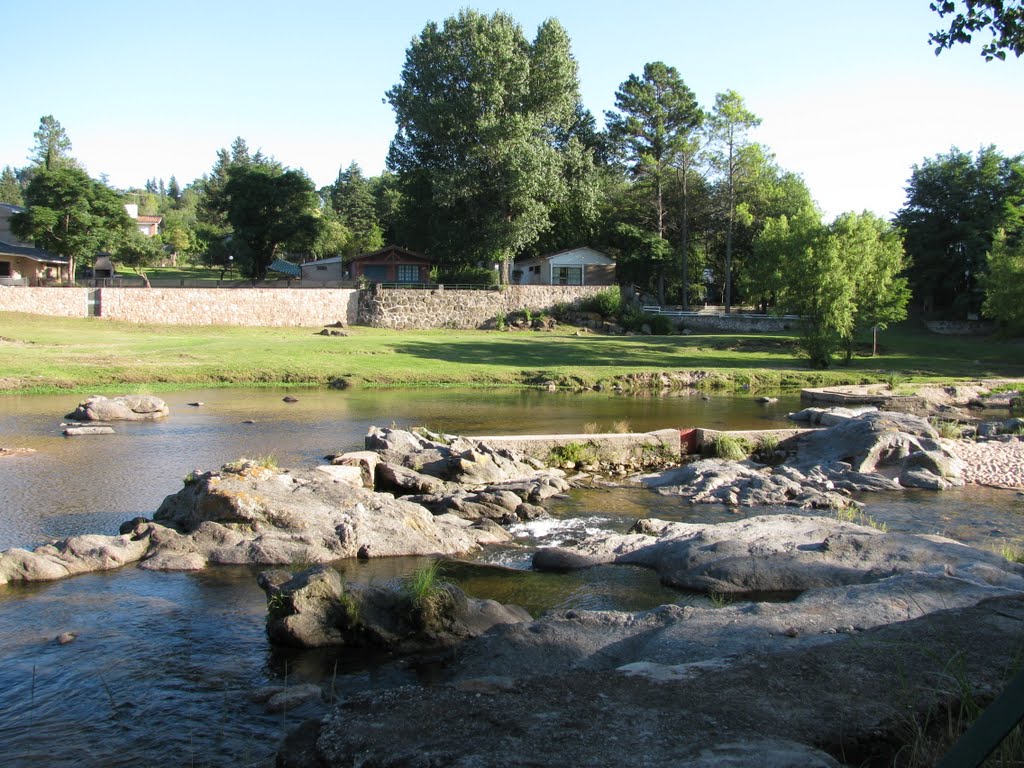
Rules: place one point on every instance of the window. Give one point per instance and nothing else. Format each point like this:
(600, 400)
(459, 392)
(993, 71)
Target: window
(567, 275)
(408, 273)
(376, 273)
(5, 269)
(321, 267)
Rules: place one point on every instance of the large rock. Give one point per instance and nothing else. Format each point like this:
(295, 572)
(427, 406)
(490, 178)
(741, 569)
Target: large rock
(869, 441)
(456, 460)
(719, 481)
(250, 514)
(780, 553)
(316, 608)
(124, 408)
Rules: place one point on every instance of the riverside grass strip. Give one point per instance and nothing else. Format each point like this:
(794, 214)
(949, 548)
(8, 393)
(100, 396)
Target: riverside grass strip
(45, 354)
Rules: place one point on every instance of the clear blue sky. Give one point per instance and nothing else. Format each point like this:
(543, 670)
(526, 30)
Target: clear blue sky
(851, 95)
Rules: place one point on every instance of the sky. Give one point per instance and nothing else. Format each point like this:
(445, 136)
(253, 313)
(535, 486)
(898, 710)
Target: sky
(851, 95)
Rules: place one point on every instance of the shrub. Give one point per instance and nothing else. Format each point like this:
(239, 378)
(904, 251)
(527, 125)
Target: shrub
(427, 594)
(499, 321)
(634, 320)
(607, 303)
(571, 453)
(731, 447)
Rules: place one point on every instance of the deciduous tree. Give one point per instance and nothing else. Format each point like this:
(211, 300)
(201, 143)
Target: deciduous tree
(69, 214)
(268, 210)
(1004, 282)
(955, 205)
(478, 111)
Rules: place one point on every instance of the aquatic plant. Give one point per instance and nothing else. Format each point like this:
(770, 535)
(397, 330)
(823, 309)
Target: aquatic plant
(951, 430)
(428, 595)
(622, 426)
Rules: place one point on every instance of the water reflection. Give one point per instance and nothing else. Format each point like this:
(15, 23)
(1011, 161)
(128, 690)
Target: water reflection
(92, 484)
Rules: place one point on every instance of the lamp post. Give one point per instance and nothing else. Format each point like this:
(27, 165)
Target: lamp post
(231, 267)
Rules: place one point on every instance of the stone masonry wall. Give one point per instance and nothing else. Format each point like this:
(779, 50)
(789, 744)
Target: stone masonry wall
(235, 306)
(54, 302)
(400, 308)
(736, 323)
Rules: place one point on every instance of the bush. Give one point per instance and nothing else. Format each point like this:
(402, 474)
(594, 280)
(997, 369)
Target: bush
(607, 303)
(634, 320)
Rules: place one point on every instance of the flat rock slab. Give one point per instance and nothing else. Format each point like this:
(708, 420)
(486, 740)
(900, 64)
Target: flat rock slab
(853, 701)
(75, 431)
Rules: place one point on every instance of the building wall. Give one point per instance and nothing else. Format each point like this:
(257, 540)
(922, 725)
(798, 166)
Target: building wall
(53, 302)
(439, 308)
(237, 306)
(322, 273)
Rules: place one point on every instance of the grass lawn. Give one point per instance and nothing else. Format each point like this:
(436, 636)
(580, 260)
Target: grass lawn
(47, 354)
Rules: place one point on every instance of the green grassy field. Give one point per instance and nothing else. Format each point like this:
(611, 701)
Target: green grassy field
(42, 354)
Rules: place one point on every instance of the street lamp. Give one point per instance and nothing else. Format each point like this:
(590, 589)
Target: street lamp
(231, 267)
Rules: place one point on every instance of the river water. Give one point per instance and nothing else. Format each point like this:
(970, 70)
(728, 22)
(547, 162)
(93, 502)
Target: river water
(165, 666)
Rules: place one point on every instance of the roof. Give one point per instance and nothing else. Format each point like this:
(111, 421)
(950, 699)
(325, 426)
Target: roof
(328, 260)
(582, 249)
(34, 254)
(393, 250)
(12, 207)
(285, 268)
(149, 219)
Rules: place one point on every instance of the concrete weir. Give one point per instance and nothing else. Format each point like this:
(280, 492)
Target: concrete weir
(611, 447)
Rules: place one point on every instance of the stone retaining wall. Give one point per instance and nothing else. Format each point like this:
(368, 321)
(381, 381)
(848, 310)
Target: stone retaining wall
(960, 328)
(642, 448)
(401, 308)
(736, 323)
(235, 306)
(54, 302)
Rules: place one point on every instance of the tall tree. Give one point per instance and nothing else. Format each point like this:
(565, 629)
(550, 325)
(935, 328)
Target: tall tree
(53, 147)
(10, 188)
(1004, 19)
(69, 214)
(730, 123)
(269, 210)
(475, 150)
(352, 200)
(955, 205)
(654, 129)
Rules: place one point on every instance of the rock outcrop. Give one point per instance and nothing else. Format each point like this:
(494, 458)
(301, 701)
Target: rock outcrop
(250, 514)
(780, 553)
(315, 608)
(124, 408)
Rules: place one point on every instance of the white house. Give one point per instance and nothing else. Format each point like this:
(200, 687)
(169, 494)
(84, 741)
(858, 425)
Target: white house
(575, 266)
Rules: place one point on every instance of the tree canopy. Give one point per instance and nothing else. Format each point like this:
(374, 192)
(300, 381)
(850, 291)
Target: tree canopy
(480, 115)
(69, 214)
(1004, 20)
(955, 204)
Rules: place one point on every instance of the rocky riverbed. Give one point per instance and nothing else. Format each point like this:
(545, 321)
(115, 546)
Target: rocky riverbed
(818, 642)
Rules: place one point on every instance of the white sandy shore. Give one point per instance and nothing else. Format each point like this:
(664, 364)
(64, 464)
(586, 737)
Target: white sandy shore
(992, 462)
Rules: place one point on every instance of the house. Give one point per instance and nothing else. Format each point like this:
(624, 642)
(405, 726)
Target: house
(390, 265)
(574, 266)
(328, 270)
(21, 263)
(148, 225)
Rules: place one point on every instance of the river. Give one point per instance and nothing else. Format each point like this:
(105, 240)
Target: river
(165, 665)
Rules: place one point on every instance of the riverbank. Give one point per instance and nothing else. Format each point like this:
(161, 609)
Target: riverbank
(43, 354)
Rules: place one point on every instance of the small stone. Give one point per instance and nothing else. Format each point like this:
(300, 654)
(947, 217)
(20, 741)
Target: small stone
(290, 399)
(249, 421)
(66, 637)
(197, 404)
